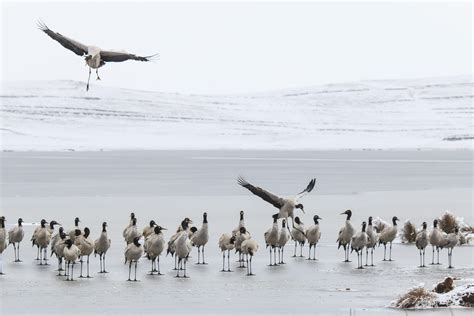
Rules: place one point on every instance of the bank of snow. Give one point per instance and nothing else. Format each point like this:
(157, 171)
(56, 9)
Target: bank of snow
(403, 114)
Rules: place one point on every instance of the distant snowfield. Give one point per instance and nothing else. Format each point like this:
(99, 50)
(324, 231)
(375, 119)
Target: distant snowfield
(403, 114)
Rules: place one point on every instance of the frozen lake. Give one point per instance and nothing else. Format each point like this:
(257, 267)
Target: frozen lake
(169, 185)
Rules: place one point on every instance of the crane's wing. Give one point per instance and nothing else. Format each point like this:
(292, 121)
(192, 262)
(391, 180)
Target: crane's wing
(112, 56)
(308, 189)
(78, 48)
(265, 195)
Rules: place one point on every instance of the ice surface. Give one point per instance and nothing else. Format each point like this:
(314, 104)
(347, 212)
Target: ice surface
(168, 185)
(61, 115)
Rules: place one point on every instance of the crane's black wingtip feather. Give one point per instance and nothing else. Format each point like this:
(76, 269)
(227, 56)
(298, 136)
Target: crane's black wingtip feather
(41, 25)
(241, 181)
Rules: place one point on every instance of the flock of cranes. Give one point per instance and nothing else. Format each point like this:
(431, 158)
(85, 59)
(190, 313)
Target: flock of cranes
(76, 244)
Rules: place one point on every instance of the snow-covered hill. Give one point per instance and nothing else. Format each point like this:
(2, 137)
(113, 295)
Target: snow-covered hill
(61, 115)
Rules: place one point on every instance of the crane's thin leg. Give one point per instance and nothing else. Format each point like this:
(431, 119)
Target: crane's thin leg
(129, 271)
(104, 265)
(80, 260)
(72, 272)
(294, 255)
(185, 260)
(136, 263)
(88, 275)
(199, 261)
(42, 256)
(384, 252)
(223, 261)
(1, 265)
(432, 257)
(59, 267)
(18, 260)
(282, 255)
(228, 261)
(88, 79)
(251, 273)
(248, 265)
(100, 263)
(390, 252)
(421, 264)
(97, 73)
(424, 257)
(203, 261)
(372, 257)
(437, 249)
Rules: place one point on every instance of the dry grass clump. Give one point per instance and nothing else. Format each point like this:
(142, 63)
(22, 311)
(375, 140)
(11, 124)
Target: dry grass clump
(447, 223)
(468, 300)
(467, 229)
(408, 232)
(445, 286)
(444, 294)
(417, 297)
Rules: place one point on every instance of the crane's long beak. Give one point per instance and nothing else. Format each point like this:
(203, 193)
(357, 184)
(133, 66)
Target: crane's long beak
(343, 213)
(162, 228)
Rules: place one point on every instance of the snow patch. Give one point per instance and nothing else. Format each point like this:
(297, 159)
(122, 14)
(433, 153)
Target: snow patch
(398, 114)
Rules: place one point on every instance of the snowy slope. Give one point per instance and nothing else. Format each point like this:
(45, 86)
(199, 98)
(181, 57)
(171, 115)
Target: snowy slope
(61, 115)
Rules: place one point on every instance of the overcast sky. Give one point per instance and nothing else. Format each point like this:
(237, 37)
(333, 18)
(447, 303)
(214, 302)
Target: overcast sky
(240, 47)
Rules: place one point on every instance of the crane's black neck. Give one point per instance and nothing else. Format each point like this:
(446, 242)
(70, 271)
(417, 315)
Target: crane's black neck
(204, 221)
(184, 225)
